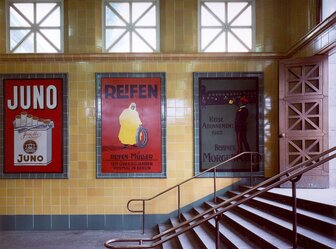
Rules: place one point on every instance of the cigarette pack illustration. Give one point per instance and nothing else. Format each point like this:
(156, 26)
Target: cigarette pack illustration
(32, 140)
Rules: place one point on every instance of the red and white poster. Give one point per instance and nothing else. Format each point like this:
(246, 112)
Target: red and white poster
(131, 128)
(33, 125)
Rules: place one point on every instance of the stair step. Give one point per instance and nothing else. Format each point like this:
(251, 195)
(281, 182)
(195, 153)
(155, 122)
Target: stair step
(319, 222)
(229, 235)
(205, 235)
(305, 235)
(316, 207)
(172, 243)
(187, 240)
(254, 231)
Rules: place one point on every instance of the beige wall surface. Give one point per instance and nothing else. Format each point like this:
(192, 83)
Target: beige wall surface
(82, 193)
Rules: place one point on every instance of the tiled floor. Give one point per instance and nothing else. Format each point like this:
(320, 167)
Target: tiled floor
(96, 239)
(61, 239)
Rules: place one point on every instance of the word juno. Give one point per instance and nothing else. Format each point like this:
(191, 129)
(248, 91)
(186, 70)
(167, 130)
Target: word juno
(37, 97)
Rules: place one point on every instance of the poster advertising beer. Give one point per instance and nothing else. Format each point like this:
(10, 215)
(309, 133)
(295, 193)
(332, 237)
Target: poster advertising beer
(228, 122)
(34, 127)
(130, 125)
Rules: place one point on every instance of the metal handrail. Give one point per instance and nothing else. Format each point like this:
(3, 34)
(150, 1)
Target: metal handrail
(291, 174)
(178, 186)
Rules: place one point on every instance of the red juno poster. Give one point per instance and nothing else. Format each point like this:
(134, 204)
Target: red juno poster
(131, 134)
(33, 125)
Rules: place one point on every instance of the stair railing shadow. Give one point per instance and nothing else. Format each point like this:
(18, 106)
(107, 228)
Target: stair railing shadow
(292, 174)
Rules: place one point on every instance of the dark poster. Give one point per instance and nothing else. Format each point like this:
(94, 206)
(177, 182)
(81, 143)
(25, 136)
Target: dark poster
(34, 125)
(131, 116)
(228, 122)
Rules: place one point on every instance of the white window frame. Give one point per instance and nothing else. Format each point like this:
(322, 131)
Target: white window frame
(131, 27)
(34, 28)
(225, 27)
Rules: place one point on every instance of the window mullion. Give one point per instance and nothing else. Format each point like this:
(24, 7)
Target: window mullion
(226, 27)
(35, 28)
(131, 28)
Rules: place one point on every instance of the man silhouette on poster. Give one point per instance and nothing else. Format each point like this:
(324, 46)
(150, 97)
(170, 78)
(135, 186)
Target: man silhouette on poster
(241, 126)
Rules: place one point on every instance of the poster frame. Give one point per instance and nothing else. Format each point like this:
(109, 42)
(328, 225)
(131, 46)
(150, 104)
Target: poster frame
(64, 171)
(99, 172)
(197, 77)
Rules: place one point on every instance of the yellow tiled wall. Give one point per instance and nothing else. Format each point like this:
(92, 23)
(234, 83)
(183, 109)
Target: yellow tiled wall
(82, 193)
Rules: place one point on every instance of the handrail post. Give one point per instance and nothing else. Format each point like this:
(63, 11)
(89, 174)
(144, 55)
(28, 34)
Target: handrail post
(179, 202)
(295, 239)
(251, 169)
(215, 188)
(217, 232)
(143, 216)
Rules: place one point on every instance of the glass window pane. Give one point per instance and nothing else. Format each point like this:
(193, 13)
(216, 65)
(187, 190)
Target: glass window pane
(138, 9)
(123, 10)
(43, 46)
(53, 19)
(112, 19)
(149, 19)
(27, 46)
(208, 19)
(138, 45)
(218, 45)
(27, 10)
(123, 45)
(53, 35)
(235, 45)
(42, 9)
(149, 35)
(112, 35)
(208, 35)
(244, 18)
(245, 35)
(218, 9)
(328, 7)
(234, 9)
(16, 36)
(16, 20)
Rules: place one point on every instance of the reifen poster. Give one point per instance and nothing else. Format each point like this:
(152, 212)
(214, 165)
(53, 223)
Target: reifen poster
(33, 115)
(131, 117)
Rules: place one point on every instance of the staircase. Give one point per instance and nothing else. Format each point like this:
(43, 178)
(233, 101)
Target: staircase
(252, 217)
(262, 222)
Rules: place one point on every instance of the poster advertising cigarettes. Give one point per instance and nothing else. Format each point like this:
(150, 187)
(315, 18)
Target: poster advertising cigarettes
(228, 119)
(33, 127)
(131, 125)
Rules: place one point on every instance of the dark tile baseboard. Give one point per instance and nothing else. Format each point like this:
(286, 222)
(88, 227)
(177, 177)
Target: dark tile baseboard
(77, 222)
